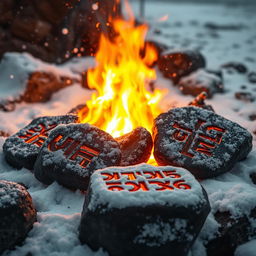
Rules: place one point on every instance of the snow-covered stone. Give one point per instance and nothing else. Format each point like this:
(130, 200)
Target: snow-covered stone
(199, 140)
(143, 210)
(73, 152)
(22, 148)
(17, 214)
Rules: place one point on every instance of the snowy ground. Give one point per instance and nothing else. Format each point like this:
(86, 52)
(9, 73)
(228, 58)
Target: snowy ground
(55, 233)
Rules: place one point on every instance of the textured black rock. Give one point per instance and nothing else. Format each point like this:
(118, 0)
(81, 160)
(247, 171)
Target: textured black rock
(232, 232)
(201, 81)
(176, 64)
(237, 66)
(22, 148)
(143, 210)
(72, 152)
(135, 146)
(199, 140)
(252, 77)
(17, 214)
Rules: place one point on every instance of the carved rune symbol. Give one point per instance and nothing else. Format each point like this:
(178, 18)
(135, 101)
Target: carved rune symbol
(202, 139)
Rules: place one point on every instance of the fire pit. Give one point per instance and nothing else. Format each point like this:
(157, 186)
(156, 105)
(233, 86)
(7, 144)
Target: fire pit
(158, 173)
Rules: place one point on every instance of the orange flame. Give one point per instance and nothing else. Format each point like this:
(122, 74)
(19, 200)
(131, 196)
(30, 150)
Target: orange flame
(122, 100)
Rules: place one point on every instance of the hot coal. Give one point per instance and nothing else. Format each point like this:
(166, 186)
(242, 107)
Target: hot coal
(17, 214)
(252, 77)
(232, 232)
(201, 81)
(199, 140)
(22, 148)
(177, 64)
(135, 146)
(143, 210)
(245, 96)
(73, 152)
(237, 66)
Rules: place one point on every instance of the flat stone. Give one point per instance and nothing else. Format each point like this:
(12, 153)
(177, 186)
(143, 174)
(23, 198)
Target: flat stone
(22, 148)
(177, 64)
(73, 152)
(201, 141)
(135, 146)
(143, 210)
(17, 214)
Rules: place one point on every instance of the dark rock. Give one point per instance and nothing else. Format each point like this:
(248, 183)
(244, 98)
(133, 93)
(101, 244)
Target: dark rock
(4, 134)
(41, 86)
(143, 210)
(252, 77)
(244, 96)
(201, 81)
(199, 140)
(17, 214)
(252, 117)
(231, 233)
(253, 177)
(135, 146)
(237, 66)
(215, 26)
(22, 148)
(71, 154)
(177, 64)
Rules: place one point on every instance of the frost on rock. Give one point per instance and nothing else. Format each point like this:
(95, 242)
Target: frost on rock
(22, 148)
(143, 209)
(73, 152)
(17, 214)
(199, 140)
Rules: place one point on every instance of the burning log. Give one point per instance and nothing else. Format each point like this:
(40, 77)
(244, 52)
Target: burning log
(199, 140)
(81, 110)
(17, 214)
(143, 210)
(231, 233)
(201, 81)
(175, 64)
(135, 146)
(71, 154)
(39, 26)
(22, 148)
(199, 102)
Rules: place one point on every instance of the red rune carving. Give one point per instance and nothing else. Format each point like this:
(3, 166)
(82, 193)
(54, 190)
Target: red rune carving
(153, 174)
(130, 175)
(111, 176)
(86, 154)
(171, 174)
(196, 142)
(137, 186)
(181, 185)
(114, 186)
(162, 185)
(37, 135)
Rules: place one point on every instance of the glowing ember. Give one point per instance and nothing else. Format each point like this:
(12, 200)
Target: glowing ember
(122, 100)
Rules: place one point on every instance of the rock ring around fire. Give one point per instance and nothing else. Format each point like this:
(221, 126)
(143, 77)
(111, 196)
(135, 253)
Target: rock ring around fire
(22, 148)
(201, 141)
(143, 210)
(72, 152)
(17, 214)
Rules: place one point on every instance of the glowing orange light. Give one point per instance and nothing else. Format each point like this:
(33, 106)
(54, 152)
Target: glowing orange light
(122, 100)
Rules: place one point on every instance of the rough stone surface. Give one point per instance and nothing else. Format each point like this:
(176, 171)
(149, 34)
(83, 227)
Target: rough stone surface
(143, 210)
(17, 214)
(199, 140)
(135, 146)
(231, 233)
(201, 81)
(22, 148)
(177, 64)
(73, 152)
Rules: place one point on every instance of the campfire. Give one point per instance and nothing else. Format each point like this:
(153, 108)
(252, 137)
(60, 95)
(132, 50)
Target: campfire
(140, 166)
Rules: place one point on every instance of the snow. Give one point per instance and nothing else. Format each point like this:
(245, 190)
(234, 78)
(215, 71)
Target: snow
(55, 233)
